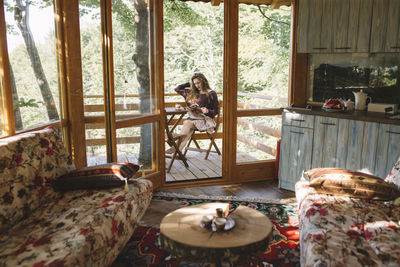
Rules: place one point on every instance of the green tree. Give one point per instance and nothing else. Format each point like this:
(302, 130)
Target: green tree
(21, 17)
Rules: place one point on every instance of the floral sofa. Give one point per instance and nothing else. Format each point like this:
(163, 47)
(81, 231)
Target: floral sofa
(347, 231)
(42, 227)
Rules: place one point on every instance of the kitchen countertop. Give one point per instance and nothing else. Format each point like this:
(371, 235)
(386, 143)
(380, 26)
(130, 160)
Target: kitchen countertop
(353, 115)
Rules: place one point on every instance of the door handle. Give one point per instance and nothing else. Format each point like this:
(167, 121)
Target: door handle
(327, 123)
(390, 132)
(296, 132)
(299, 120)
(343, 48)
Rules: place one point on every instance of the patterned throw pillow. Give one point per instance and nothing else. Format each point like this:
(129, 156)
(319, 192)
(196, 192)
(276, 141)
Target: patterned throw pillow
(96, 177)
(394, 175)
(336, 181)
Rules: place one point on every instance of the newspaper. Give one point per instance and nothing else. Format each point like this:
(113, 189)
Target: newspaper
(194, 112)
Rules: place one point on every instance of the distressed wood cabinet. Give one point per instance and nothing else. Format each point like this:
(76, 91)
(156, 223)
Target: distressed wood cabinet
(296, 148)
(326, 132)
(314, 26)
(385, 31)
(370, 147)
(326, 26)
(337, 26)
(351, 25)
(388, 149)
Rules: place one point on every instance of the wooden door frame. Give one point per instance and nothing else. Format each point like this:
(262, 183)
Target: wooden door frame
(71, 79)
(233, 172)
(230, 76)
(8, 120)
(68, 10)
(108, 80)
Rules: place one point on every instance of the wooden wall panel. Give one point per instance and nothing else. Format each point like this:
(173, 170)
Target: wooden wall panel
(299, 82)
(262, 170)
(298, 64)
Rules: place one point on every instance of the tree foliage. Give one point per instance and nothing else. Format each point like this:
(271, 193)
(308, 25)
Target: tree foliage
(193, 42)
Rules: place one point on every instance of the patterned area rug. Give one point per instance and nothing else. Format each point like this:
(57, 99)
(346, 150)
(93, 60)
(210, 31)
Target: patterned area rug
(143, 248)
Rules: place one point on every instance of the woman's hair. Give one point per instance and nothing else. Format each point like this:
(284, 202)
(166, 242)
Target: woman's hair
(194, 91)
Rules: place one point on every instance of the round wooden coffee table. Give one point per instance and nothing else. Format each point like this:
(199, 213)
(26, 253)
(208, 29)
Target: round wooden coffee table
(181, 234)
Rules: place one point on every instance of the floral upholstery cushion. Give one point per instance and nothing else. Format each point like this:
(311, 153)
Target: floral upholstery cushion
(83, 228)
(343, 182)
(95, 177)
(344, 231)
(28, 164)
(394, 175)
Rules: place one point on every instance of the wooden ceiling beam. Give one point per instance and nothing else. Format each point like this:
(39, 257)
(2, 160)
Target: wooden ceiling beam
(274, 3)
(278, 3)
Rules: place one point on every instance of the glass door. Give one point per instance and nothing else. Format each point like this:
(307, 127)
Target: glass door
(193, 43)
(262, 88)
(121, 103)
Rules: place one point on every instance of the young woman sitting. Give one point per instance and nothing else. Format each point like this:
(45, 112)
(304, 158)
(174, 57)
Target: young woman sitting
(202, 105)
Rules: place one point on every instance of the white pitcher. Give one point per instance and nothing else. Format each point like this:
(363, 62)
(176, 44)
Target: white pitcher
(361, 100)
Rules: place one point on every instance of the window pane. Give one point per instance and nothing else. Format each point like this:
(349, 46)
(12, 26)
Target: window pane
(92, 59)
(257, 138)
(33, 59)
(263, 67)
(131, 59)
(130, 140)
(263, 74)
(193, 42)
(95, 144)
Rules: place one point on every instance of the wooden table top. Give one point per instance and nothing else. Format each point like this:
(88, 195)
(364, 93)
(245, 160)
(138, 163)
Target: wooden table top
(183, 226)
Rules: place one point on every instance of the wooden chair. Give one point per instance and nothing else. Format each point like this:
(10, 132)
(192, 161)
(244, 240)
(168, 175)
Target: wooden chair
(174, 141)
(210, 136)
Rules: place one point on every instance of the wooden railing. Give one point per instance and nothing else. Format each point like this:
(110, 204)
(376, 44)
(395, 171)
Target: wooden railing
(241, 121)
(257, 110)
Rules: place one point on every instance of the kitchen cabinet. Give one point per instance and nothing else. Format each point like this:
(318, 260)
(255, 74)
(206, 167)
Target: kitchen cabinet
(385, 29)
(388, 149)
(295, 149)
(337, 26)
(326, 26)
(314, 26)
(342, 143)
(298, 119)
(370, 147)
(351, 25)
(326, 132)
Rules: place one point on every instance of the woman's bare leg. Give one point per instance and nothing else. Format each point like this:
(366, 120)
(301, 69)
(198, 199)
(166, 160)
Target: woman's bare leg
(186, 133)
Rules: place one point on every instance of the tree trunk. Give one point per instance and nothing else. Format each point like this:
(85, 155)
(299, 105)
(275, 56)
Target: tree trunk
(17, 111)
(21, 16)
(141, 59)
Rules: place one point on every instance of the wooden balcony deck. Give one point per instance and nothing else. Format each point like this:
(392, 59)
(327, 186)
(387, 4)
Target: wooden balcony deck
(199, 168)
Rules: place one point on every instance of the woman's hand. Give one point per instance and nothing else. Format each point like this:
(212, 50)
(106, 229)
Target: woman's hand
(204, 110)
